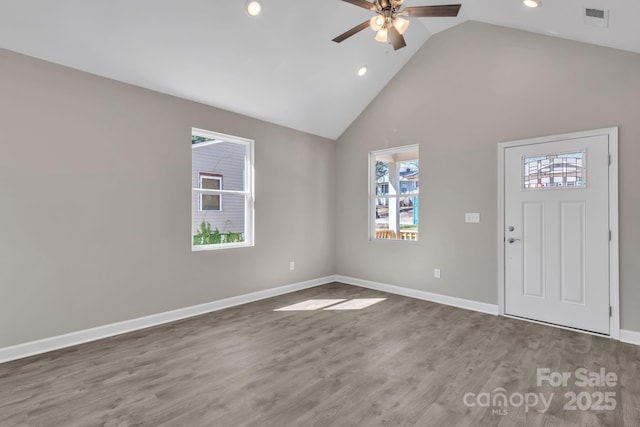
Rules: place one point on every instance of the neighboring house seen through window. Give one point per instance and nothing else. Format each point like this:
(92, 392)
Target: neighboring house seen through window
(214, 156)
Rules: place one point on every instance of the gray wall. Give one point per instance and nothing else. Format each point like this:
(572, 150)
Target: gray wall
(466, 90)
(82, 160)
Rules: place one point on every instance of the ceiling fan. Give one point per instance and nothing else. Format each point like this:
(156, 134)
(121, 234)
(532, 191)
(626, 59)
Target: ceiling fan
(389, 22)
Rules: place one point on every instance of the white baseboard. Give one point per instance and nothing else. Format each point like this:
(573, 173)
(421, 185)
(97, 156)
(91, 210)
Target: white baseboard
(423, 295)
(74, 338)
(630, 337)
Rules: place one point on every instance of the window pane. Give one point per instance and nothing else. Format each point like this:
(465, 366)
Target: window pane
(382, 220)
(210, 202)
(382, 178)
(409, 175)
(211, 183)
(409, 218)
(221, 227)
(225, 159)
(554, 171)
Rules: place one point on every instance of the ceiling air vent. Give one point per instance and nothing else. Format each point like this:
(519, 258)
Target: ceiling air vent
(596, 17)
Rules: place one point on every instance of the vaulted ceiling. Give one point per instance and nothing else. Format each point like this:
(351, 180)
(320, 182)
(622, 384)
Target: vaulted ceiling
(280, 66)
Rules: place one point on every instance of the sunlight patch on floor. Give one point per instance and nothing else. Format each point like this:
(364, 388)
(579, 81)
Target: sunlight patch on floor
(312, 304)
(356, 304)
(332, 304)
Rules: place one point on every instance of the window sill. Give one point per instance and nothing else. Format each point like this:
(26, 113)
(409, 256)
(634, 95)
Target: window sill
(406, 242)
(215, 247)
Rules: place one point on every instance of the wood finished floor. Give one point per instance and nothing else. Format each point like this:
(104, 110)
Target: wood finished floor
(401, 362)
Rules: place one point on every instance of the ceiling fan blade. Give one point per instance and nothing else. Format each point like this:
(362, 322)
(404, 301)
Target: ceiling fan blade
(434, 11)
(362, 3)
(351, 32)
(397, 40)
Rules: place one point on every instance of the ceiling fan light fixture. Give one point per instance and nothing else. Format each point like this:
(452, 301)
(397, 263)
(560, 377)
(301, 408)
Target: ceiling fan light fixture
(390, 16)
(376, 22)
(532, 3)
(254, 7)
(401, 24)
(381, 35)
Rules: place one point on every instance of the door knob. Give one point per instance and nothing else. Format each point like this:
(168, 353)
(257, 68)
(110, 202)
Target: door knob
(512, 240)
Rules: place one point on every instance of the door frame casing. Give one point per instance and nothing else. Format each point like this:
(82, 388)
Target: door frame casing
(614, 277)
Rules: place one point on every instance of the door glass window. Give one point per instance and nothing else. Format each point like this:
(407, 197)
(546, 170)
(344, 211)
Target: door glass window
(554, 171)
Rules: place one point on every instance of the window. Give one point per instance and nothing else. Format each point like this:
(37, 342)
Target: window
(210, 202)
(553, 171)
(393, 193)
(221, 176)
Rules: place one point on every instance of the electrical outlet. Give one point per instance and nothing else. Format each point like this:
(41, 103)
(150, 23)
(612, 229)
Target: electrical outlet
(436, 273)
(292, 265)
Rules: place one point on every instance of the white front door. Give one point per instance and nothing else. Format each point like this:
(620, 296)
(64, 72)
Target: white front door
(556, 233)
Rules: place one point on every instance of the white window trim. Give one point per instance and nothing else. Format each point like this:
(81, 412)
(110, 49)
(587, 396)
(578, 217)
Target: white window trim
(207, 175)
(372, 190)
(248, 192)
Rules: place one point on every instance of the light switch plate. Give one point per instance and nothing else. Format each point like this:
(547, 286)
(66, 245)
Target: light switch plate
(472, 217)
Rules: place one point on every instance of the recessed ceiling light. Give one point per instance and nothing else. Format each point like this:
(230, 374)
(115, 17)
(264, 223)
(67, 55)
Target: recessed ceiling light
(254, 7)
(532, 3)
(362, 71)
